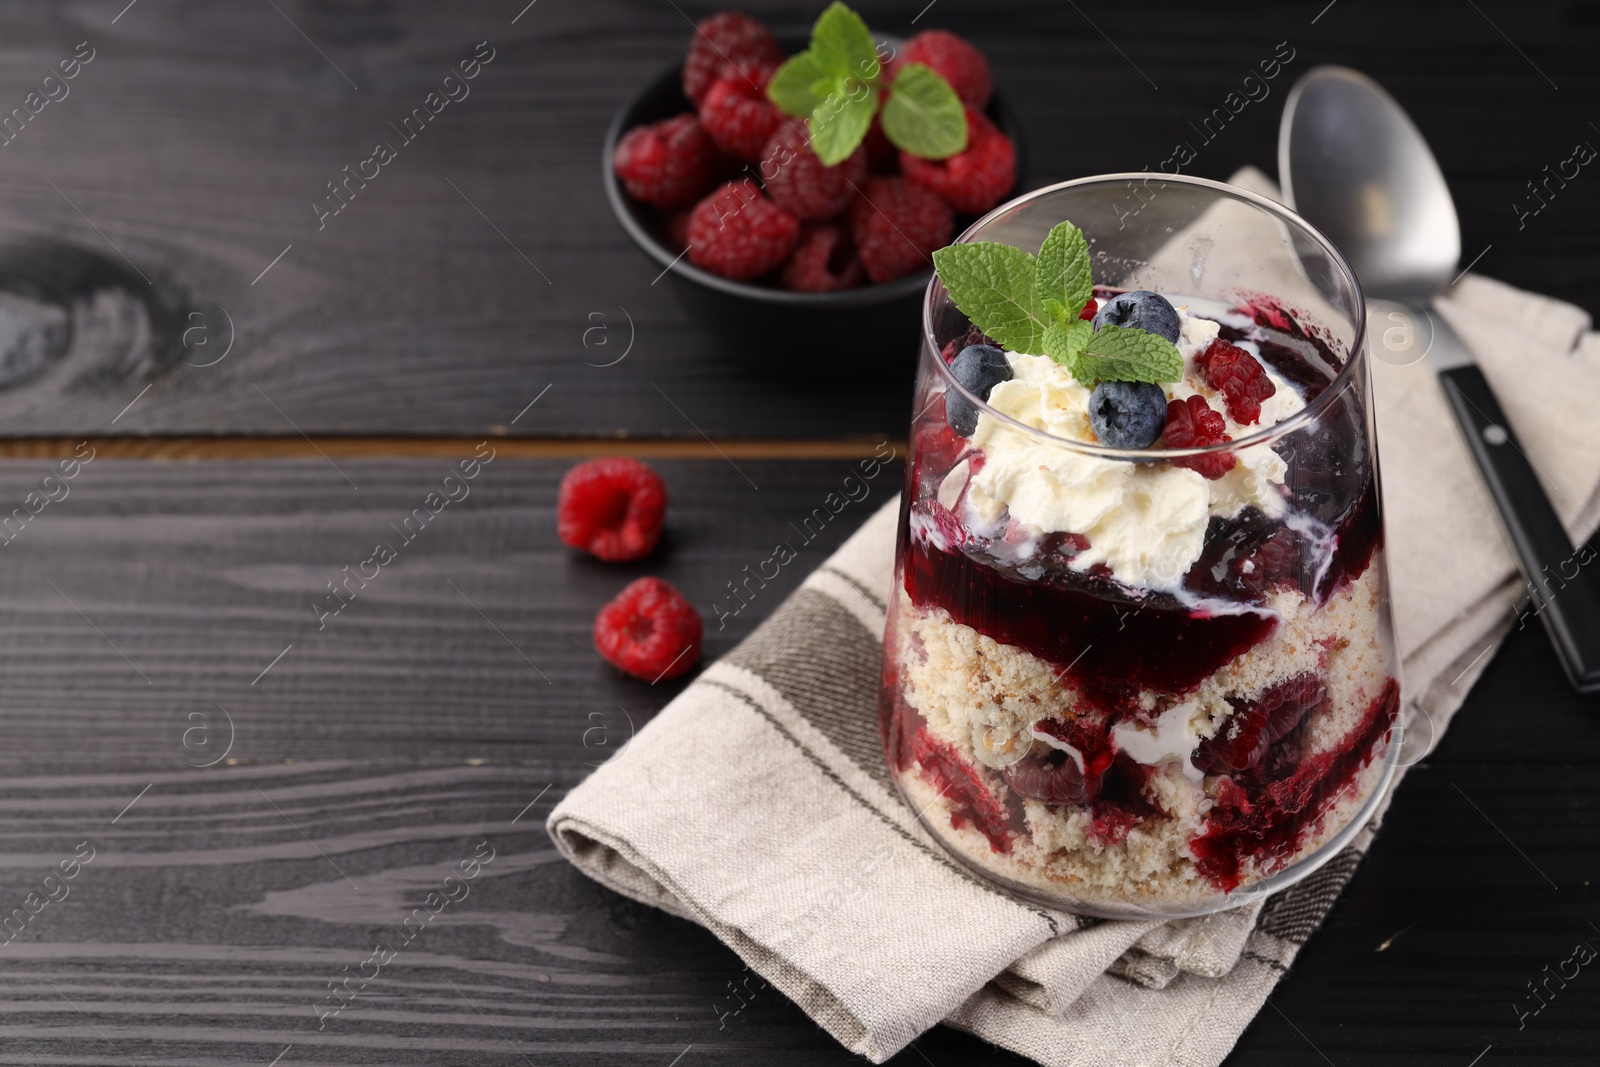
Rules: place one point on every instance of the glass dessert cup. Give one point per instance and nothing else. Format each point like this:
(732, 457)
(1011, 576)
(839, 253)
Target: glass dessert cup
(1153, 683)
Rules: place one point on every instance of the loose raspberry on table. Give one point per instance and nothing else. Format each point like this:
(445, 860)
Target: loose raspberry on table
(740, 234)
(823, 262)
(649, 631)
(953, 59)
(796, 179)
(724, 39)
(1192, 424)
(1238, 376)
(898, 226)
(974, 179)
(612, 508)
(737, 114)
(668, 164)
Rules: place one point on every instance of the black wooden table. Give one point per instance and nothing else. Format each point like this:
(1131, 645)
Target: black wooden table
(264, 391)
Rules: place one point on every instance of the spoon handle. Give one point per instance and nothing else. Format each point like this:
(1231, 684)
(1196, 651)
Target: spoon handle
(1562, 592)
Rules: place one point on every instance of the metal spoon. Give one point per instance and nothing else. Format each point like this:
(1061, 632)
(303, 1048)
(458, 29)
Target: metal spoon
(1352, 162)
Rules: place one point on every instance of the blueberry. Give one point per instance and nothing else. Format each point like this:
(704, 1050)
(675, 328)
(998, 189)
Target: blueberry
(980, 368)
(1140, 310)
(1128, 414)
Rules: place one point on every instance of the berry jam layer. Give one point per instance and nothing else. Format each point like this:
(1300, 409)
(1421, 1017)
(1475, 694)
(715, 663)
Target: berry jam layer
(1060, 614)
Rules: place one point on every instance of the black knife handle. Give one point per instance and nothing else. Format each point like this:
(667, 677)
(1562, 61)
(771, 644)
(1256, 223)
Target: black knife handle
(1563, 589)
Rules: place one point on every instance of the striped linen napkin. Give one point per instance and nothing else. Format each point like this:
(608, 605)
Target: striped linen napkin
(758, 803)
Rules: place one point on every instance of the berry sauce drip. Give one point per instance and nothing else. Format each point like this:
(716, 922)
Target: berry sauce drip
(1266, 814)
(1302, 353)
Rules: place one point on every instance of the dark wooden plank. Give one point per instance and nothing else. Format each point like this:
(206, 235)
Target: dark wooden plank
(199, 135)
(192, 579)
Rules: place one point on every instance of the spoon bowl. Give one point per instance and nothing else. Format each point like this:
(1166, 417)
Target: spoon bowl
(1351, 160)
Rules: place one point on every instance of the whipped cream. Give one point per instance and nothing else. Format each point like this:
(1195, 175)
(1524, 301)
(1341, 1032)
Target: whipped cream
(1145, 521)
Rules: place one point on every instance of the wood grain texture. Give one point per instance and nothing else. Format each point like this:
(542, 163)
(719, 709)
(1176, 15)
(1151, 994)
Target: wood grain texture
(151, 585)
(385, 747)
(461, 281)
(207, 448)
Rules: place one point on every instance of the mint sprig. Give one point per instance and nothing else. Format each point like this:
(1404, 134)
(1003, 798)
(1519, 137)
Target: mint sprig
(1032, 304)
(840, 123)
(993, 285)
(924, 115)
(1064, 273)
(836, 86)
(790, 87)
(1123, 354)
(842, 46)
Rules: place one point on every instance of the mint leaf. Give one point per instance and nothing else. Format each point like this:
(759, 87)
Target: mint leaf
(1055, 308)
(840, 122)
(1120, 353)
(1064, 341)
(993, 285)
(842, 46)
(790, 87)
(1063, 266)
(924, 115)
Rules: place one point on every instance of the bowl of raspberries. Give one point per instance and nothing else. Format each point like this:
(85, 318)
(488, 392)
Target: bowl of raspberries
(793, 188)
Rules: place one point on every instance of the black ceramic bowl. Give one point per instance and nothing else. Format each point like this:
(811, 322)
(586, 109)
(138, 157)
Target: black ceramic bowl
(868, 330)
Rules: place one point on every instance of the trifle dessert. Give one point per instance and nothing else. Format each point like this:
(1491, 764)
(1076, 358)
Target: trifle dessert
(1139, 658)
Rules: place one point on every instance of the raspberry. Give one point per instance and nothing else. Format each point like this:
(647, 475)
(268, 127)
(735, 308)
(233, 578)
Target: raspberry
(612, 508)
(796, 179)
(1192, 424)
(897, 226)
(1087, 314)
(648, 631)
(954, 60)
(1256, 726)
(737, 114)
(1251, 557)
(667, 165)
(740, 234)
(974, 179)
(1238, 376)
(823, 261)
(728, 38)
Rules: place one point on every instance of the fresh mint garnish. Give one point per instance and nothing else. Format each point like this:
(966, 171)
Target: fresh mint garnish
(924, 115)
(1122, 354)
(790, 87)
(992, 284)
(1064, 273)
(1064, 341)
(842, 46)
(835, 85)
(840, 122)
(1031, 304)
